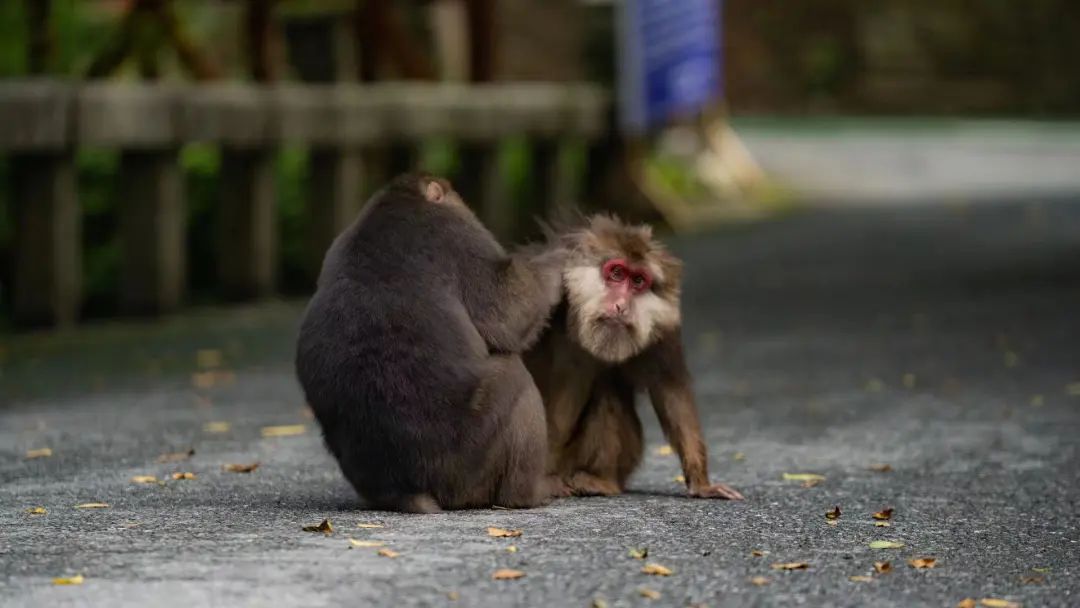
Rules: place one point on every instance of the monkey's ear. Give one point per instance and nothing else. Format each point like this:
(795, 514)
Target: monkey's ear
(434, 191)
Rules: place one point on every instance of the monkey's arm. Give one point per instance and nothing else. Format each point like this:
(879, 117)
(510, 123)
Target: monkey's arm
(523, 291)
(673, 399)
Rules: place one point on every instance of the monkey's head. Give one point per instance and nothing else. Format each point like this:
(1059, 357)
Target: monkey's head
(622, 287)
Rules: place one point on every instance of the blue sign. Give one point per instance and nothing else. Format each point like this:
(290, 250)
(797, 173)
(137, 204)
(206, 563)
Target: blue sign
(669, 60)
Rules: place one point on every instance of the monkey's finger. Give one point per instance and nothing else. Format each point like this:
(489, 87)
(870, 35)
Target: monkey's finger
(719, 490)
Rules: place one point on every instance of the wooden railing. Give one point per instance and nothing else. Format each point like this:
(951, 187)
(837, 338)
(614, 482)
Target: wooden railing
(351, 131)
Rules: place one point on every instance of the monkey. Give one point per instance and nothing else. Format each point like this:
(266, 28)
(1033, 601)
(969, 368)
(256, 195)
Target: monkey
(409, 354)
(617, 332)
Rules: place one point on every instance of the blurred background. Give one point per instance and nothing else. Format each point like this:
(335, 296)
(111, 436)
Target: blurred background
(823, 102)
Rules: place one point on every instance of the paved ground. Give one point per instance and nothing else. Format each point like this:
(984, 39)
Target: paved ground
(939, 340)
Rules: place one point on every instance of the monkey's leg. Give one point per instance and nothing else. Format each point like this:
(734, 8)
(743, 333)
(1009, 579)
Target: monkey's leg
(606, 449)
(524, 484)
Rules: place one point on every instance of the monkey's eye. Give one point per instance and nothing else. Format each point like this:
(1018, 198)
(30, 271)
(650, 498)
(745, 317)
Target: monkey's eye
(640, 282)
(617, 274)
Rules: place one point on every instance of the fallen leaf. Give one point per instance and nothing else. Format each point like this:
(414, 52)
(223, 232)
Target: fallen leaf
(803, 477)
(874, 385)
(861, 579)
(760, 581)
(882, 567)
(240, 468)
(208, 358)
(145, 479)
(832, 522)
(993, 602)
(452, 596)
(679, 479)
(210, 379)
(38, 453)
(790, 566)
(1011, 359)
(641, 553)
(599, 603)
(369, 525)
(1073, 390)
(884, 514)
(388, 553)
(184, 475)
(287, 430)
(882, 524)
(503, 533)
(886, 544)
(364, 543)
(1036, 401)
(1041, 570)
(217, 427)
(809, 483)
(506, 574)
(92, 505)
(649, 594)
(909, 381)
(512, 549)
(656, 570)
(881, 468)
(664, 450)
(325, 527)
(73, 580)
(1032, 579)
(967, 602)
(921, 563)
(833, 514)
(759, 553)
(176, 456)
(36, 511)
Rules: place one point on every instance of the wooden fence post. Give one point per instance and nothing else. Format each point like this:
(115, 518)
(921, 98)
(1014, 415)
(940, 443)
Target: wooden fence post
(247, 252)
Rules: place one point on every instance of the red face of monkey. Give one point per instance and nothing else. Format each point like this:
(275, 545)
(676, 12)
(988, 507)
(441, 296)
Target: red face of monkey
(622, 287)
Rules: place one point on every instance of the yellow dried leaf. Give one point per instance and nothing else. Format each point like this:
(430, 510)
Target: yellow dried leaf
(882, 567)
(760, 581)
(641, 553)
(1073, 390)
(1032, 579)
(72, 580)
(92, 505)
(1041, 570)
(874, 385)
(512, 549)
(656, 570)
(649, 594)
(884, 514)
(922, 562)
(833, 514)
(881, 468)
(217, 427)
(453, 596)
(176, 456)
(288, 430)
(759, 553)
(1037, 401)
(503, 533)
(739, 456)
(679, 479)
(369, 525)
(967, 602)
(507, 574)
(183, 475)
(36, 511)
(882, 524)
(145, 479)
(664, 450)
(993, 602)
(909, 381)
(861, 579)
(38, 453)
(208, 358)
(803, 477)
(1011, 359)
(886, 544)
(809, 483)
(598, 603)
(365, 543)
(324, 526)
(240, 468)
(832, 522)
(388, 553)
(790, 566)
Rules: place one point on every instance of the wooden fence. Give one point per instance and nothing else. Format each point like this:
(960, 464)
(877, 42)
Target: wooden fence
(351, 130)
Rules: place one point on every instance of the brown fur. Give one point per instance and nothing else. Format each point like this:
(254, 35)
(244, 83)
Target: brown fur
(589, 386)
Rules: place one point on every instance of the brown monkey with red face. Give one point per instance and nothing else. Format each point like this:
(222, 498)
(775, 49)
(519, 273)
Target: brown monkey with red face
(618, 331)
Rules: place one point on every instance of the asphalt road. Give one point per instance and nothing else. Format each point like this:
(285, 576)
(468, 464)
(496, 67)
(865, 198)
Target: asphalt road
(940, 340)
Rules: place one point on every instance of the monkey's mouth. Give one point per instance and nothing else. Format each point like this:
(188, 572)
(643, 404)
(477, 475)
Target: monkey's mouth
(612, 322)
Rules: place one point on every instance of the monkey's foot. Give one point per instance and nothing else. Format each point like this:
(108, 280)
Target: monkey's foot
(717, 490)
(587, 484)
(557, 487)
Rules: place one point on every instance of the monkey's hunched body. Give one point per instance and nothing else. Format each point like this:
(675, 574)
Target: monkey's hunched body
(618, 332)
(409, 355)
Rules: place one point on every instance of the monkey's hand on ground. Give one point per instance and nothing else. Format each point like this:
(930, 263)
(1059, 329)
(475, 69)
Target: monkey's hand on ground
(716, 490)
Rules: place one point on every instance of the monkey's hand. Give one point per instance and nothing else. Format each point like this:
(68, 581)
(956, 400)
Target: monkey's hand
(716, 490)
